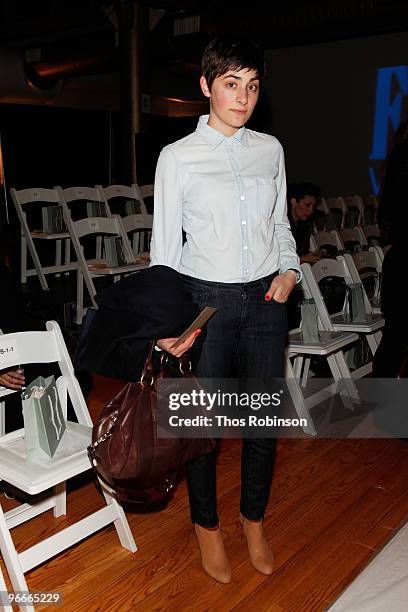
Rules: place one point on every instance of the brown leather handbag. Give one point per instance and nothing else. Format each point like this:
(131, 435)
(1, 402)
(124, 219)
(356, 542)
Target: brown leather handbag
(126, 451)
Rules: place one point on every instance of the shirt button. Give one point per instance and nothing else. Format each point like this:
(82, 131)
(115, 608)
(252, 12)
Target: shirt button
(242, 197)
(243, 222)
(245, 248)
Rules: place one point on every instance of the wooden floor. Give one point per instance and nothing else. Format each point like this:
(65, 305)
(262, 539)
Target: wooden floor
(334, 503)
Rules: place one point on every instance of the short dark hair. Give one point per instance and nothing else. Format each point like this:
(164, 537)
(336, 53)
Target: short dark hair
(301, 190)
(224, 54)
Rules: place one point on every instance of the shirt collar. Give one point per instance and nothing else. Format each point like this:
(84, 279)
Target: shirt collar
(214, 138)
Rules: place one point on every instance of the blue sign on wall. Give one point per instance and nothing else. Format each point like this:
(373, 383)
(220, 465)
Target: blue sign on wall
(392, 87)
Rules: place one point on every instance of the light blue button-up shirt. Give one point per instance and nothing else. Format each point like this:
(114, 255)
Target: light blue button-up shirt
(229, 196)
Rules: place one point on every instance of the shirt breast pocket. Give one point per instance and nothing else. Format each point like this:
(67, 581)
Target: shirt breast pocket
(266, 193)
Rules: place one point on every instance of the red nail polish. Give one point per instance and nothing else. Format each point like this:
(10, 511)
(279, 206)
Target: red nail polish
(198, 332)
(267, 298)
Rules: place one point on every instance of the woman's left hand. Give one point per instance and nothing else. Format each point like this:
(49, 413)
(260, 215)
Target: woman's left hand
(281, 287)
(166, 344)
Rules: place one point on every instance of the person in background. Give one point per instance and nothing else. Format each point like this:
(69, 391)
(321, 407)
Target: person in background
(302, 199)
(393, 221)
(225, 186)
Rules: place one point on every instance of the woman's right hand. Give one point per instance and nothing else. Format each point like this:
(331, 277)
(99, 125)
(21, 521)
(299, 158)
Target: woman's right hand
(166, 344)
(12, 379)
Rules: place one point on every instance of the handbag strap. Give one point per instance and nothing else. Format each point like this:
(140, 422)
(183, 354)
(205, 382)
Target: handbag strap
(147, 373)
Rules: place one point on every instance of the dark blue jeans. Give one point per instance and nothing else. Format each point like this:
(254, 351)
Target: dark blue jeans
(246, 339)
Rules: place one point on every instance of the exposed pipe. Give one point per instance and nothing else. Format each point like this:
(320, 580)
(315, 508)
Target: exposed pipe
(16, 87)
(133, 29)
(75, 66)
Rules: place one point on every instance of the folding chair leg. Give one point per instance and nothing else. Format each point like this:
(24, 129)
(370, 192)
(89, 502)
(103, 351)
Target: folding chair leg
(37, 263)
(67, 259)
(60, 496)
(23, 262)
(2, 418)
(58, 252)
(121, 523)
(298, 398)
(80, 298)
(306, 371)
(10, 558)
(3, 590)
(297, 366)
(372, 342)
(340, 371)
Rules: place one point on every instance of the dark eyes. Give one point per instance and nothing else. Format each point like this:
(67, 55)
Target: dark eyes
(233, 85)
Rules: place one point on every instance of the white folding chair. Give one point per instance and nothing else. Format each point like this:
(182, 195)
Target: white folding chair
(3, 589)
(372, 234)
(353, 239)
(330, 345)
(355, 211)
(120, 196)
(76, 198)
(324, 241)
(3, 393)
(38, 197)
(338, 210)
(69, 460)
(366, 267)
(320, 216)
(370, 209)
(338, 321)
(96, 267)
(139, 231)
(147, 193)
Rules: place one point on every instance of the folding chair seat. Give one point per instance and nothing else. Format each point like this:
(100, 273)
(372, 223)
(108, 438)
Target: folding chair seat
(96, 266)
(36, 199)
(366, 267)
(333, 317)
(123, 200)
(328, 243)
(338, 210)
(353, 239)
(70, 459)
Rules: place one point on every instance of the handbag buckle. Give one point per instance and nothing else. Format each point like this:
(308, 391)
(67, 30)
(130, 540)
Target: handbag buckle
(188, 371)
(142, 379)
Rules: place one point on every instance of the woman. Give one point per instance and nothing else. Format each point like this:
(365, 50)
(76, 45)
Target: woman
(225, 187)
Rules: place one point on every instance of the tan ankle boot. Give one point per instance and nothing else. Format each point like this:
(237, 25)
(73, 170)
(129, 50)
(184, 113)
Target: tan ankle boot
(260, 554)
(213, 558)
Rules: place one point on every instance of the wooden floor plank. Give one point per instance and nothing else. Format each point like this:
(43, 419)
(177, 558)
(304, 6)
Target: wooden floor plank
(333, 505)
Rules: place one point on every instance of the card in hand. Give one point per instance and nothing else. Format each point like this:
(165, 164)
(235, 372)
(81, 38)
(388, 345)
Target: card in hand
(202, 318)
